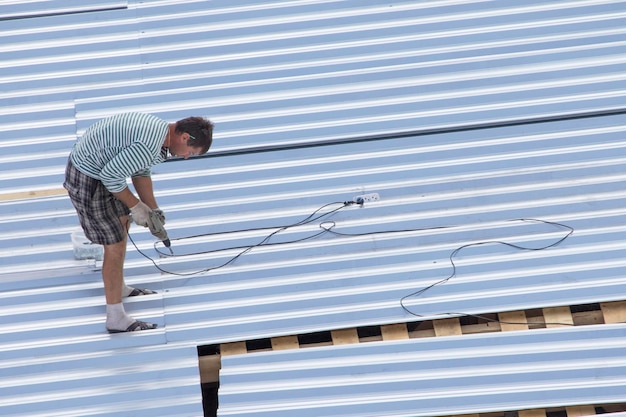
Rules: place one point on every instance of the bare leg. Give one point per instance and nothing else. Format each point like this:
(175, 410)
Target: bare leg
(113, 271)
(113, 279)
(126, 290)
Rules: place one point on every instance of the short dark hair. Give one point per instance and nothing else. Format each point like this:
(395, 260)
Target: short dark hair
(198, 127)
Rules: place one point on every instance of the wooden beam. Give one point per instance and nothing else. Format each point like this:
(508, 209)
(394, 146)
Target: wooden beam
(587, 318)
(540, 412)
(210, 368)
(614, 312)
(344, 336)
(513, 320)
(447, 327)
(394, 331)
(285, 342)
(23, 195)
(233, 348)
(558, 316)
(580, 411)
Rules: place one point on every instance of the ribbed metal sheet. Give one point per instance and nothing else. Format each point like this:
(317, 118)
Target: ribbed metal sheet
(14, 10)
(290, 73)
(430, 377)
(99, 376)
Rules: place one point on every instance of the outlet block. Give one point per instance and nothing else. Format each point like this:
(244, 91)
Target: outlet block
(366, 198)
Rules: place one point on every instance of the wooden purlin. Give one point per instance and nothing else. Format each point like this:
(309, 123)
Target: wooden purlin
(558, 316)
(447, 327)
(614, 312)
(532, 413)
(23, 195)
(513, 320)
(580, 411)
(394, 331)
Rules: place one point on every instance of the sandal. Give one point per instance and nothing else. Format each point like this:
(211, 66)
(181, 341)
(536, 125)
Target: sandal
(135, 327)
(137, 291)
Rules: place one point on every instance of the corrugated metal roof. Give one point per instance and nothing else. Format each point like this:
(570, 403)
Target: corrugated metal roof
(430, 377)
(99, 376)
(417, 83)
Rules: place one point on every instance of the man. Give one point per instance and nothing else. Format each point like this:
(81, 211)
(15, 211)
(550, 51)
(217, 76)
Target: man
(109, 152)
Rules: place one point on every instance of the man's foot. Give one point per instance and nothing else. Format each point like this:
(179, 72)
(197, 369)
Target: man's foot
(138, 291)
(119, 322)
(136, 326)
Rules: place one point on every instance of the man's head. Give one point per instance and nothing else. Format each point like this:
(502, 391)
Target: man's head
(200, 131)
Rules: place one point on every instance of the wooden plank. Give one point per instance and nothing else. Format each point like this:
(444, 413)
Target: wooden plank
(344, 336)
(580, 411)
(210, 366)
(540, 412)
(614, 312)
(233, 348)
(512, 321)
(22, 195)
(586, 318)
(447, 327)
(558, 316)
(488, 327)
(394, 331)
(285, 342)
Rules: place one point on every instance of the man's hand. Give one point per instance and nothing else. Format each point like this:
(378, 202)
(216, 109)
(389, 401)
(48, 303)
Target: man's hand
(156, 225)
(160, 214)
(141, 214)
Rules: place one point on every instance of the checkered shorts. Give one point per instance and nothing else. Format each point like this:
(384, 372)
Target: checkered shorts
(98, 210)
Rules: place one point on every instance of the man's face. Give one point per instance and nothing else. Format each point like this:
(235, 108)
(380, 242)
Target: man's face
(181, 149)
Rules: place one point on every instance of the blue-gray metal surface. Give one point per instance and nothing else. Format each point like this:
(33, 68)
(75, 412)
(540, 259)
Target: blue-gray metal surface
(430, 377)
(99, 375)
(289, 73)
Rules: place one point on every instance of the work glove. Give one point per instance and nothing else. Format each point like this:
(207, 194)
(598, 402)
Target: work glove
(160, 214)
(155, 223)
(141, 214)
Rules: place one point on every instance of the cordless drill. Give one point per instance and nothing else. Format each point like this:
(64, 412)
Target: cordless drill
(156, 228)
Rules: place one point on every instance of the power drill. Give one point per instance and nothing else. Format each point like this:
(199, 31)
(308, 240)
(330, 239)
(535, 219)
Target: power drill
(156, 228)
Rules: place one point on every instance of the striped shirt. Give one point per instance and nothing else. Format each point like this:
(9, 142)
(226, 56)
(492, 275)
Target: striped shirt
(121, 146)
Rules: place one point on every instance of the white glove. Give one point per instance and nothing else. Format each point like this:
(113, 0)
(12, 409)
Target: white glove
(140, 214)
(160, 213)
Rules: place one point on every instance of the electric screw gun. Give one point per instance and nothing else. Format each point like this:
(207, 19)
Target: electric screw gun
(155, 224)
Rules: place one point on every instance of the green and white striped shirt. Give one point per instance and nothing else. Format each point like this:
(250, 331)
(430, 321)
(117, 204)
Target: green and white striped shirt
(121, 146)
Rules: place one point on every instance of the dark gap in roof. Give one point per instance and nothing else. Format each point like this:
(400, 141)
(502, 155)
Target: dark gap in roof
(60, 12)
(559, 413)
(368, 332)
(259, 344)
(610, 408)
(585, 307)
(210, 398)
(469, 320)
(315, 338)
(208, 350)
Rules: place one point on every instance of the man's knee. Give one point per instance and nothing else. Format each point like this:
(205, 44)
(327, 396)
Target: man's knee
(115, 250)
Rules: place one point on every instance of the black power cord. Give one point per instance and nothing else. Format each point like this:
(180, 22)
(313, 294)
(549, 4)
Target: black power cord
(328, 227)
(316, 215)
(491, 242)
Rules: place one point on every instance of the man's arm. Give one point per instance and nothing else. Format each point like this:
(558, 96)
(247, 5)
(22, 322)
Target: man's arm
(143, 185)
(127, 197)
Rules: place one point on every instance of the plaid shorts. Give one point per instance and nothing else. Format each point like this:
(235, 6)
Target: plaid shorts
(98, 210)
